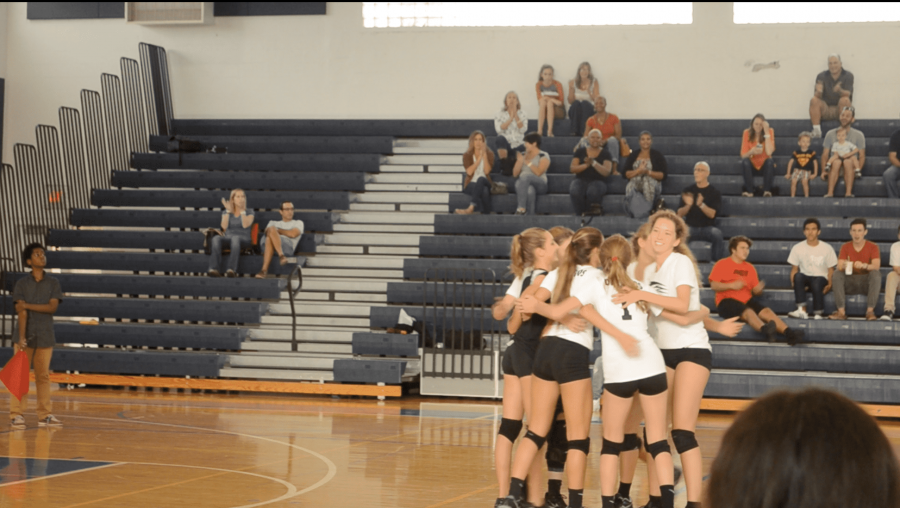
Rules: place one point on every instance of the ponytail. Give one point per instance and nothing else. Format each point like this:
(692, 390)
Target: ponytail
(521, 250)
(615, 256)
(583, 243)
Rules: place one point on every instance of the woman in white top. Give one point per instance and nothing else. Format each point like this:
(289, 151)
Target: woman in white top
(511, 125)
(478, 161)
(582, 92)
(561, 369)
(532, 254)
(674, 285)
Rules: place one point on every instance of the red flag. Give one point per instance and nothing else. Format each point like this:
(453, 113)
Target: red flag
(15, 375)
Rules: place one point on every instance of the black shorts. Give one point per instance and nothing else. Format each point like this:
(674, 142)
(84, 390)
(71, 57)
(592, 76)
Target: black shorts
(518, 359)
(729, 307)
(653, 385)
(702, 357)
(562, 361)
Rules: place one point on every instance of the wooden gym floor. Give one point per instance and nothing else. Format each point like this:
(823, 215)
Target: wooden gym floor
(149, 448)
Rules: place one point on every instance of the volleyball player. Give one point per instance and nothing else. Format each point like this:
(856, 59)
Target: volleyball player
(532, 254)
(561, 369)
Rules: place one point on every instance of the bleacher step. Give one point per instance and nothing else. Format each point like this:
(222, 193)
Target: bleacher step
(423, 208)
(382, 228)
(427, 198)
(321, 309)
(391, 217)
(356, 286)
(277, 374)
(372, 207)
(349, 273)
(416, 187)
(283, 361)
(423, 178)
(424, 159)
(316, 321)
(381, 239)
(401, 169)
(305, 333)
(329, 349)
(364, 261)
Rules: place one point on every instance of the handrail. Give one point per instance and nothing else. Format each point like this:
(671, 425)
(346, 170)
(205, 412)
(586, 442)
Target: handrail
(291, 294)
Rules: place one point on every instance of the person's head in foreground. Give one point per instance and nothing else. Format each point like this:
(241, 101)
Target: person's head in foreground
(804, 449)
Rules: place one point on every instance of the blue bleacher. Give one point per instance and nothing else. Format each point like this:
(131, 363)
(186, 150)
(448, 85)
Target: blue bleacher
(313, 221)
(286, 144)
(153, 262)
(247, 180)
(258, 162)
(132, 362)
(221, 338)
(270, 200)
(152, 240)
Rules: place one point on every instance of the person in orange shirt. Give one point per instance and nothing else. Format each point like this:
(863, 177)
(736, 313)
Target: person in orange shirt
(757, 148)
(609, 125)
(737, 285)
(551, 101)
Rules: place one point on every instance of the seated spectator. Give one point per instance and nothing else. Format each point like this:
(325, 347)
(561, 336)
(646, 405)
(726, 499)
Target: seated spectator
(844, 152)
(858, 271)
(833, 93)
(235, 232)
(609, 125)
(700, 203)
(893, 280)
(582, 92)
(511, 125)
(550, 100)
(737, 285)
(812, 266)
(645, 170)
(892, 175)
(757, 148)
(802, 161)
(790, 449)
(591, 166)
(282, 237)
(478, 161)
(851, 169)
(531, 171)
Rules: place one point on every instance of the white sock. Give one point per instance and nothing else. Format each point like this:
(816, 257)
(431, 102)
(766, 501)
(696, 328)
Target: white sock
(800, 307)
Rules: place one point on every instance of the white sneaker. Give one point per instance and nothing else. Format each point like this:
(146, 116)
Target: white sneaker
(17, 422)
(887, 316)
(858, 174)
(817, 131)
(798, 314)
(817, 317)
(49, 421)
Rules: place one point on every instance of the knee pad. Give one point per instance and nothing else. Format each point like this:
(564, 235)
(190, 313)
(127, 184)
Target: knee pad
(659, 447)
(684, 440)
(611, 447)
(536, 439)
(557, 445)
(631, 443)
(510, 429)
(582, 445)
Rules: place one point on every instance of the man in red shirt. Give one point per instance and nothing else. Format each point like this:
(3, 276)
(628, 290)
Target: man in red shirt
(737, 285)
(864, 259)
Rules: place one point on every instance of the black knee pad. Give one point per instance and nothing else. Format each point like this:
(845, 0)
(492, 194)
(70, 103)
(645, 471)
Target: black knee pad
(611, 447)
(582, 445)
(538, 440)
(684, 440)
(659, 447)
(510, 429)
(557, 446)
(631, 443)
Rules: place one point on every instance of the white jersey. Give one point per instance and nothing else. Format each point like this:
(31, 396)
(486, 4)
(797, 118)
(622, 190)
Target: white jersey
(645, 281)
(586, 278)
(618, 367)
(515, 289)
(677, 270)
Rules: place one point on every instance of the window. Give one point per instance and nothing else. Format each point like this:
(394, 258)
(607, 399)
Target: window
(799, 12)
(499, 14)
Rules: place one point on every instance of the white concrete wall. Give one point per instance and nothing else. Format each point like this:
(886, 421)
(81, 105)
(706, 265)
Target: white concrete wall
(331, 67)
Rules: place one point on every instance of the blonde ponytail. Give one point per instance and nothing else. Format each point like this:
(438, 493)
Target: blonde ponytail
(615, 256)
(583, 243)
(521, 250)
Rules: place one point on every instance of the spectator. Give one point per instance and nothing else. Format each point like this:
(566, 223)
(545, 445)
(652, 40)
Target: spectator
(582, 92)
(700, 203)
(757, 147)
(36, 297)
(833, 93)
(858, 271)
(478, 161)
(843, 151)
(737, 285)
(812, 266)
(591, 166)
(800, 164)
(282, 237)
(851, 169)
(511, 125)
(531, 171)
(893, 280)
(609, 125)
(809, 448)
(235, 232)
(550, 99)
(892, 175)
(645, 170)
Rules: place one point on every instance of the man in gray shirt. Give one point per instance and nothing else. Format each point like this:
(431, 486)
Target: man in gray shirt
(37, 297)
(833, 92)
(848, 116)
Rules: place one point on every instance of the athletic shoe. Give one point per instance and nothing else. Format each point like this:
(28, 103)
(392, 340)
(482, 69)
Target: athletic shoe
(50, 420)
(767, 194)
(818, 316)
(554, 501)
(838, 315)
(798, 314)
(231, 274)
(770, 331)
(887, 316)
(623, 502)
(816, 132)
(794, 337)
(17, 423)
(214, 273)
(870, 315)
(857, 174)
(747, 194)
(507, 502)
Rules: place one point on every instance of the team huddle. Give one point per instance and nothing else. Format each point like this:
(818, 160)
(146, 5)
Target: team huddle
(644, 297)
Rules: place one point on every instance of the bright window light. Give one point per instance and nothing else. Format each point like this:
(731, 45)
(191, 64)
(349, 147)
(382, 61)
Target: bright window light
(499, 14)
(800, 12)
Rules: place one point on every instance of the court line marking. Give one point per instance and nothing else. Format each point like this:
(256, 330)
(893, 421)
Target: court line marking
(332, 469)
(459, 498)
(57, 475)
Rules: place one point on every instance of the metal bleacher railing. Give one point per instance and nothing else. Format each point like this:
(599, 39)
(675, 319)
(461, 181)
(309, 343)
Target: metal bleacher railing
(58, 172)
